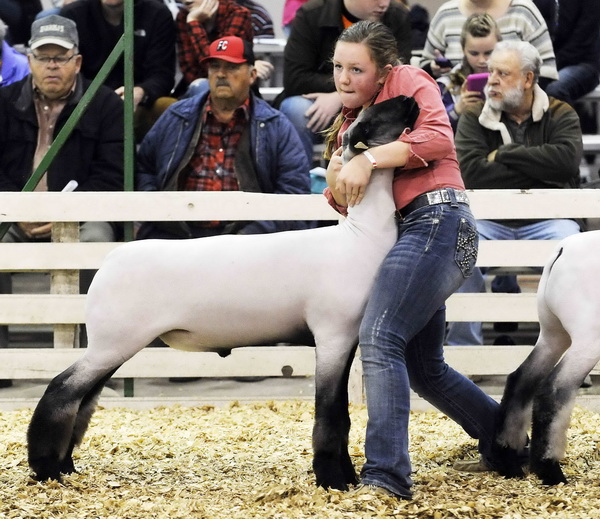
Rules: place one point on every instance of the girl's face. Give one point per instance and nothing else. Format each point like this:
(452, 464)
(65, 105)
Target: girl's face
(478, 51)
(357, 78)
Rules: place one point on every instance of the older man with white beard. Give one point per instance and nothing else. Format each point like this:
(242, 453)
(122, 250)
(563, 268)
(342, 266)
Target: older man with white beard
(518, 139)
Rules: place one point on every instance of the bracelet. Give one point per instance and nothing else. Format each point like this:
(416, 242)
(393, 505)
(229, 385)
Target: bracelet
(371, 159)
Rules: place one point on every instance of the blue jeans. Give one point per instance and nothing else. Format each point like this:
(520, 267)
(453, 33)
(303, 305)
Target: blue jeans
(294, 109)
(401, 338)
(574, 81)
(471, 333)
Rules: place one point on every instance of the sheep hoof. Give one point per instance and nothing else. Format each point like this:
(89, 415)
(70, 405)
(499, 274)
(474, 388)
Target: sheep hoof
(508, 463)
(548, 471)
(332, 476)
(67, 466)
(46, 468)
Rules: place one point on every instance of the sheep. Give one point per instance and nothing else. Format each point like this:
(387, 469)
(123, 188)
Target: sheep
(545, 385)
(214, 294)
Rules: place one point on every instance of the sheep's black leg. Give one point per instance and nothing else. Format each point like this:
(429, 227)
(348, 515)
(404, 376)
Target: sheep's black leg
(552, 409)
(515, 407)
(331, 462)
(57, 425)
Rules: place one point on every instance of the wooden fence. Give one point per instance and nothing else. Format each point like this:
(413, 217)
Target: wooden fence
(64, 307)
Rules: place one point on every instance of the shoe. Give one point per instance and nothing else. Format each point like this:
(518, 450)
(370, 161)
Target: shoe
(5, 382)
(472, 466)
(587, 382)
(375, 490)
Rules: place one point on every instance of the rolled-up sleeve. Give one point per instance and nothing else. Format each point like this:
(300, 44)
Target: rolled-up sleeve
(432, 137)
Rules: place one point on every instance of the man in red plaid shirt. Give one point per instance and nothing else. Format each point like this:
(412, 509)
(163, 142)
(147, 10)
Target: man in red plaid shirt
(226, 139)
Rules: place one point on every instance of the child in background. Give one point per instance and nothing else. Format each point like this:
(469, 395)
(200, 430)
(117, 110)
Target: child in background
(478, 38)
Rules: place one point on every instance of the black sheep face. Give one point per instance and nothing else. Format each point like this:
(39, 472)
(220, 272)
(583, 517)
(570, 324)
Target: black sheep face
(379, 124)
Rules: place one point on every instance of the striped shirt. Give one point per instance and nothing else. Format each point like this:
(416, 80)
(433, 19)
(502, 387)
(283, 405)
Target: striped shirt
(522, 21)
(261, 19)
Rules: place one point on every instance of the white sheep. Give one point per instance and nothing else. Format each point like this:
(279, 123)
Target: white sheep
(569, 314)
(213, 294)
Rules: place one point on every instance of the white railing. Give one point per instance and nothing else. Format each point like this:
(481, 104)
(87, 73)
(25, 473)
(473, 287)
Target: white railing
(64, 307)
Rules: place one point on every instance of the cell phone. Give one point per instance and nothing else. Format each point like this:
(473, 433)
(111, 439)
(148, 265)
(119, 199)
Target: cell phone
(443, 62)
(477, 82)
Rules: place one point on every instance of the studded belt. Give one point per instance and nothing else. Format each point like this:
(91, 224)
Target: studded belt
(446, 195)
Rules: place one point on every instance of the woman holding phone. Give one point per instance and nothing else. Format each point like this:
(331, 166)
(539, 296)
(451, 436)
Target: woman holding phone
(478, 38)
(402, 331)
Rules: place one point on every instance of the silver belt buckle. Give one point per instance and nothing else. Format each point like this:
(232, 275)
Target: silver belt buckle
(462, 197)
(434, 197)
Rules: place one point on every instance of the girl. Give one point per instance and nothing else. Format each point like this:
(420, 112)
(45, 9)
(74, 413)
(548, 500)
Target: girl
(403, 327)
(478, 37)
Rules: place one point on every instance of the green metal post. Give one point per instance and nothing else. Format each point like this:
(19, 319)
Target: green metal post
(129, 136)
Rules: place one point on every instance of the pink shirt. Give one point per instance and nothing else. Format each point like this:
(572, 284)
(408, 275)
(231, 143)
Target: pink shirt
(432, 163)
(289, 10)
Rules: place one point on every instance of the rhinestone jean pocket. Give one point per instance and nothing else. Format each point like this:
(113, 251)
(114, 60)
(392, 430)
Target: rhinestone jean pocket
(467, 244)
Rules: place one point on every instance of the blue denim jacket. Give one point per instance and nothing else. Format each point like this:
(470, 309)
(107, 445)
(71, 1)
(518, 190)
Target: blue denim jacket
(277, 154)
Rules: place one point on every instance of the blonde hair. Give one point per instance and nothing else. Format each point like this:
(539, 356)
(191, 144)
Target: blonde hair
(383, 50)
(477, 26)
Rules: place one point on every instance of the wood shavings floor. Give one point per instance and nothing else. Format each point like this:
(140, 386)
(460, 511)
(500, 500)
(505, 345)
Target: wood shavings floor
(253, 461)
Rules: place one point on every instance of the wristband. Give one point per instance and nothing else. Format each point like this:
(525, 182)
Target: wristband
(371, 159)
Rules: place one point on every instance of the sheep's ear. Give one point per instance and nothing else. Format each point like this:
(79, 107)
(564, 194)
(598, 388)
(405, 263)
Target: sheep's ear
(361, 145)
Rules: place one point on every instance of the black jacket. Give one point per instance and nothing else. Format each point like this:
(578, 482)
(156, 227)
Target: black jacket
(153, 42)
(577, 36)
(92, 155)
(309, 49)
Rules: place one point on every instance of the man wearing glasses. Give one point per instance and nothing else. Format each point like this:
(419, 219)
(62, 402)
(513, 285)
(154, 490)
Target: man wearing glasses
(34, 110)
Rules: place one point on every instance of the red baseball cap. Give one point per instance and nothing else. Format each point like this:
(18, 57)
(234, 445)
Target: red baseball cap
(232, 49)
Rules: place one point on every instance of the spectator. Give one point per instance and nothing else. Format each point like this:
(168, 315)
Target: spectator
(200, 22)
(100, 24)
(577, 47)
(478, 37)
(310, 100)
(14, 65)
(519, 139)
(516, 19)
(55, 9)
(289, 12)
(33, 111)
(262, 24)
(224, 140)
(18, 15)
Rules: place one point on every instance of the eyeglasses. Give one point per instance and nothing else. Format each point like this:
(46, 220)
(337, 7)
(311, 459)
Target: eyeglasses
(60, 61)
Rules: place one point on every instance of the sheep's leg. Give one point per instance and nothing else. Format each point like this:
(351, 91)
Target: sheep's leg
(57, 425)
(331, 462)
(86, 410)
(552, 408)
(521, 387)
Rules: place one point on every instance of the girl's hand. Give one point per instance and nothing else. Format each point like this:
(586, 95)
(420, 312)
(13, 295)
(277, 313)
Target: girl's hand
(333, 170)
(353, 178)
(467, 98)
